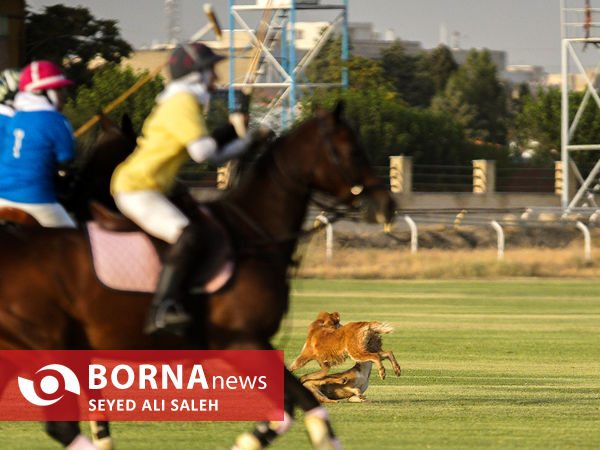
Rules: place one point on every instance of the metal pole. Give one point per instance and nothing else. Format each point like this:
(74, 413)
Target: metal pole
(345, 47)
(286, 68)
(292, 67)
(231, 93)
(564, 127)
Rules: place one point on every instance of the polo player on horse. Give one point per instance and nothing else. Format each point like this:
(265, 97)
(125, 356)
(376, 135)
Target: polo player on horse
(174, 131)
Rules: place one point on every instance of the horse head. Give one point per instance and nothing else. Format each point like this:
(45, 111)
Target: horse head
(339, 167)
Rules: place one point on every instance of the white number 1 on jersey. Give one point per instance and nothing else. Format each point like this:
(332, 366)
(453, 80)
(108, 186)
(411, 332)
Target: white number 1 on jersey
(19, 135)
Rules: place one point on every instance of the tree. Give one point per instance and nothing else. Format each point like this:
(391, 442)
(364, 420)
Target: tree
(72, 37)
(402, 71)
(108, 82)
(438, 64)
(326, 67)
(540, 122)
(475, 96)
(389, 127)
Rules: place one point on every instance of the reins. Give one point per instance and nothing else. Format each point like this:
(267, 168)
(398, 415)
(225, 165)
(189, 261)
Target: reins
(294, 186)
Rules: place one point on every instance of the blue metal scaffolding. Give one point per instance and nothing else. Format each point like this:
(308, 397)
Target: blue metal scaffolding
(277, 33)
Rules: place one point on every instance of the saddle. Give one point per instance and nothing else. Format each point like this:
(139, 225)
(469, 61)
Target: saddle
(16, 215)
(125, 258)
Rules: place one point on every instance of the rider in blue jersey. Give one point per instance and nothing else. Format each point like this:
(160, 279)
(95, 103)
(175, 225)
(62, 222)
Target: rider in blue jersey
(37, 139)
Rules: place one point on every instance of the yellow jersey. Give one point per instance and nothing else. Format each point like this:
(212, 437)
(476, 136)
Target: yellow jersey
(161, 149)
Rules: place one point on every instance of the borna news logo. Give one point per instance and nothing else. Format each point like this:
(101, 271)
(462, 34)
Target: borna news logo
(197, 385)
(50, 385)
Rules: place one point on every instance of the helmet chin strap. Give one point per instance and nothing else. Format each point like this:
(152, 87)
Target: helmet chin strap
(52, 96)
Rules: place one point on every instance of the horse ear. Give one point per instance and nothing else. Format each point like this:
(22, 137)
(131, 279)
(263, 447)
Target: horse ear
(127, 126)
(338, 111)
(105, 123)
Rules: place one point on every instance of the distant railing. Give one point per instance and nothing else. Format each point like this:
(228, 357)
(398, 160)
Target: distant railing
(482, 177)
(525, 179)
(442, 178)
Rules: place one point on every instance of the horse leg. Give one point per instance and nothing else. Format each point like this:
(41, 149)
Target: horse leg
(316, 419)
(68, 434)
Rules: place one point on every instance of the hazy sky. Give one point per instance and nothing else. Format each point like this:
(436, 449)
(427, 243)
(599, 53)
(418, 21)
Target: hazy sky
(528, 30)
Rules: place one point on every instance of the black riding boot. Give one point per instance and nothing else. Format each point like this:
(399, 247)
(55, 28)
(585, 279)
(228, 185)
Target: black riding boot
(166, 311)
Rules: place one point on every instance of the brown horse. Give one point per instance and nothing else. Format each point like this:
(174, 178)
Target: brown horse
(54, 301)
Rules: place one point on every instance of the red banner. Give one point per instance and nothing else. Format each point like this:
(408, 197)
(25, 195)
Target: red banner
(141, 385)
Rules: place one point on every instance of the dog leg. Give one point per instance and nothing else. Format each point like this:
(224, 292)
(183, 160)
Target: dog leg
(373, 357)
(389, 355)
(314, 375)
(301, 360)
(359, 398)
(312, 386)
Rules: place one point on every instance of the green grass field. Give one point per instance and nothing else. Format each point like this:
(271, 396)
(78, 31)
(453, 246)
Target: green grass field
(502, 364)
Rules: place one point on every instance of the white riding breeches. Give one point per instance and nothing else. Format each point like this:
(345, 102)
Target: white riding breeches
(50, 215)
(154, 213)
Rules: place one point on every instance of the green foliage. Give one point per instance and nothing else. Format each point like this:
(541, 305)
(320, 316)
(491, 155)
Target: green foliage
(404, 73)
(108, 83)
(388, 127)
(326, 66)
(73, 37)
(540, 121)
(438, 64)
(476, 98)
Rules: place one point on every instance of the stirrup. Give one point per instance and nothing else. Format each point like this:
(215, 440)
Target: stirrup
(170, 316)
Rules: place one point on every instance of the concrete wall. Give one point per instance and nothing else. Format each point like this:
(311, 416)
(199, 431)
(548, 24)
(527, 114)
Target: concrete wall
(466, 200)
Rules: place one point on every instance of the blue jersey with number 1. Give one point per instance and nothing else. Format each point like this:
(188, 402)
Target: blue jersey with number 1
(34, 142)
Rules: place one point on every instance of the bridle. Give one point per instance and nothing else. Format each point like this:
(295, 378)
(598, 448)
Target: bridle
(292, 184)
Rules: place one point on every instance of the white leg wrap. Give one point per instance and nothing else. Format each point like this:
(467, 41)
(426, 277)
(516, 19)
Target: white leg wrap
(247, 441)
(283, 426)
(81, 442)
(319, 412)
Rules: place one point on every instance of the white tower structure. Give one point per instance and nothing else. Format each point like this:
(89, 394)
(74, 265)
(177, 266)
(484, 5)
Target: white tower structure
(580, 37)
(173, 26)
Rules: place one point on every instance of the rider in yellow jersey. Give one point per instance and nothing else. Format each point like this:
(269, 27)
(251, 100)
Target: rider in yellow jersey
(174, 131)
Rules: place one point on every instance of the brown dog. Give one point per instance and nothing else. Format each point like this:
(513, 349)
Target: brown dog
(329, 344)
(350, 384)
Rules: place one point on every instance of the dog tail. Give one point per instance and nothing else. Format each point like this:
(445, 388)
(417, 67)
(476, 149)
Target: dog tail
(381, 328)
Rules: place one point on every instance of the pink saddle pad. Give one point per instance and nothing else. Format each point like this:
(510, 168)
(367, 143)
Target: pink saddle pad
(126, 261)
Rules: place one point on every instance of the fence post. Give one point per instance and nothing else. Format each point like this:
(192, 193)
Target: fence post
(587, 241)
(401, 174)
(321, 218)
(484, 176)
(414, 234)
(224, 176)
(500, 233)
(559, 180)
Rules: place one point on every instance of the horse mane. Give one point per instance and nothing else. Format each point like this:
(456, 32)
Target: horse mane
(256, 161)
